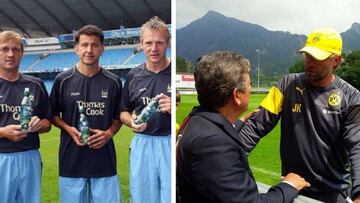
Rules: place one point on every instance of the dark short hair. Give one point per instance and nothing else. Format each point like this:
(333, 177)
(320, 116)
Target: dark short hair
(217, 75)
(90, 30)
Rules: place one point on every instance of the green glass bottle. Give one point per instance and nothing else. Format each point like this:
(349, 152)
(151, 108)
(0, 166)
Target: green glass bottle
(147, 112)
(25, 110)
(83, 126)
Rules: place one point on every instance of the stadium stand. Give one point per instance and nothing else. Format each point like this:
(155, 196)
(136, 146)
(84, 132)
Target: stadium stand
(136, 59)
(56, 61)
(43, 22)
(44, 18)
(115, 56)
(112, 58)
(28, 60)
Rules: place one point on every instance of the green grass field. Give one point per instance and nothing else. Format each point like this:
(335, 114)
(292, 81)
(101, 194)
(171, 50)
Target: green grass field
(265, 159)
(49, 147)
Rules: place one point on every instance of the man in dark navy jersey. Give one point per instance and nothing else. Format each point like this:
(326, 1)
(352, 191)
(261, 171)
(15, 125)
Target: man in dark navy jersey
(20, 162)
(320, 122)
(150, 153)
(87, 171)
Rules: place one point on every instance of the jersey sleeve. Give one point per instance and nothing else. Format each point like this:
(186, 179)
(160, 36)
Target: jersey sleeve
(351, 132)
(117, 103)
(125, 104)
(44, 111)
(55, 98)
(262, 122)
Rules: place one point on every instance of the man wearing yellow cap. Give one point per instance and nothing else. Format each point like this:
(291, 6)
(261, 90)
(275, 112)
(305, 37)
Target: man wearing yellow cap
(320, 122)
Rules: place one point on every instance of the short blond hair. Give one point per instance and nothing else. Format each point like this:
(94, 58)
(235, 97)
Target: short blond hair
(155, 23)
(11, 35)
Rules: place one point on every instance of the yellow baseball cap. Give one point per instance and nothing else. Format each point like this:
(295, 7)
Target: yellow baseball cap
(323, 42)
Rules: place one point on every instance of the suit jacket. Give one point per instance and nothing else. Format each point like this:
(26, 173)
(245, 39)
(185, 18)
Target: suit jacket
(212, 165)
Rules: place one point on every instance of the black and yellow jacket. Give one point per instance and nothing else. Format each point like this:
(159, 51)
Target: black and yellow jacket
(320, 131)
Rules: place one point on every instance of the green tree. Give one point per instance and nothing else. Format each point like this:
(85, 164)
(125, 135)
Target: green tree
(350, 69)
(298, 67)
(183, 65)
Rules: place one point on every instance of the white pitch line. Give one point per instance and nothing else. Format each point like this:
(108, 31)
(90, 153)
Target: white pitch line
(272, 173)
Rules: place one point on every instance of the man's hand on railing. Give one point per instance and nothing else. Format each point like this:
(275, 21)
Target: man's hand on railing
(296, 181)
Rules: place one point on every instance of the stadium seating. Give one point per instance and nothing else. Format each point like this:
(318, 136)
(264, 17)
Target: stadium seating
(56, 61)
(28, 60)
(115, 56)
(59, 61)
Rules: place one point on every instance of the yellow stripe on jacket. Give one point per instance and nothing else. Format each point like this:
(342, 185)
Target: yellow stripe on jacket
(273, 101)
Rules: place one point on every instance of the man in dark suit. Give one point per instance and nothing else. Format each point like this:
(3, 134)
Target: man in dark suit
(212, 165)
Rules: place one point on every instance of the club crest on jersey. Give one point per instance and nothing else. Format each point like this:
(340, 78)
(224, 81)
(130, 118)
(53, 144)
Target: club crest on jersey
(334, 99)
(316, 38)
(169, 88)
(104, 93)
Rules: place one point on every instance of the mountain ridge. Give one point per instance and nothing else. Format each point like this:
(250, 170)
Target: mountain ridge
(215, 31)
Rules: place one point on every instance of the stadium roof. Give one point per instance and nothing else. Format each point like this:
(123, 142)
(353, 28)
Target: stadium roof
(42, 18)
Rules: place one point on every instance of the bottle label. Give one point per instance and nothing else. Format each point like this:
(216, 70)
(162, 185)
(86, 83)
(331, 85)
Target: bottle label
(147, 112)
(25, 110)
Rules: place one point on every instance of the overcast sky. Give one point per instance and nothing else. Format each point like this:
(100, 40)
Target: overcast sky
(295, 16)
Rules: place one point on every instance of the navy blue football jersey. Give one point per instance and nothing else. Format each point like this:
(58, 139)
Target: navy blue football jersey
(100, 96)
(140, 88)
(11, 94)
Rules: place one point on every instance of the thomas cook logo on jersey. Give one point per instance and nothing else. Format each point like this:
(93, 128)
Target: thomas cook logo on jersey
(334, 99)
(104, 93)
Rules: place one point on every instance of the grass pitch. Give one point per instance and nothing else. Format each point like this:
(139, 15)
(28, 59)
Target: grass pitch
(265, 158)
(49, 147)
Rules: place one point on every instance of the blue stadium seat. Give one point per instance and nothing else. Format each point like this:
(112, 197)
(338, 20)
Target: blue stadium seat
(28, 60)
(60, 61)
(56, 61)
(115, 56)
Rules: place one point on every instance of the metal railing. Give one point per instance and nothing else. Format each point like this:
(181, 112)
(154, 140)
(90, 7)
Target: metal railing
(263, 188)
